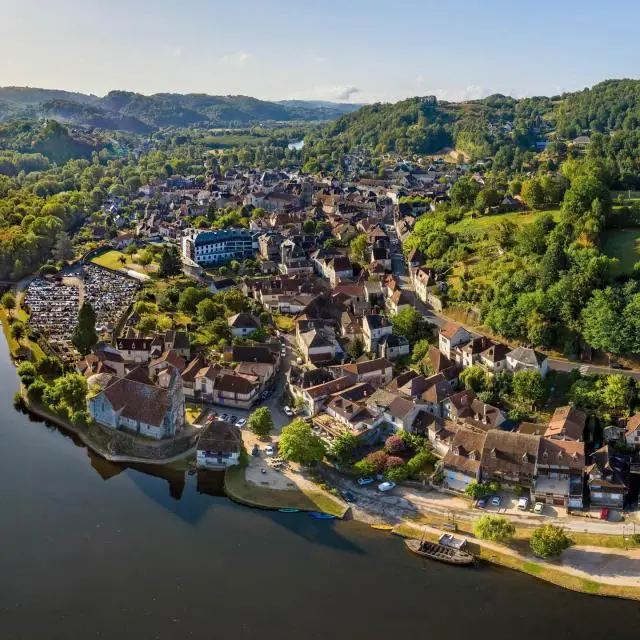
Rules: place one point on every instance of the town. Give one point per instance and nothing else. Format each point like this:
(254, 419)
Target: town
(312, 319)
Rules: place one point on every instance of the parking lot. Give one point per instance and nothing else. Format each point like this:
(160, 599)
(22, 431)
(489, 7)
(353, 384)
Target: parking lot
(509, 505)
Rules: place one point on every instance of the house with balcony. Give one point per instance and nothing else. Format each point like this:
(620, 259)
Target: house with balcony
(560, 473)
(608, 477)
(219, 446)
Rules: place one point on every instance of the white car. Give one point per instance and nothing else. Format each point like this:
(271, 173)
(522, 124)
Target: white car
(283, 352)
(269, 450)
(288, 411)
(523, 503)
(241, 423)
(386, 486)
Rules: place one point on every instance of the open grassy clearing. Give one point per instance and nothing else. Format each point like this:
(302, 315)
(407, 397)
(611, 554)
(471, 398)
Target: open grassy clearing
(623, 244)
(112, 260)
(484, 223)
(237, 488)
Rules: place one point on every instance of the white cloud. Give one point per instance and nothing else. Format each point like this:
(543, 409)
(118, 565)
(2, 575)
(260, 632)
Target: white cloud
(342, 92)
(237, 59)
(178, 51)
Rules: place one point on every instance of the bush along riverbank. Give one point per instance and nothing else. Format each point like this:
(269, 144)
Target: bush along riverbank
(512, 558)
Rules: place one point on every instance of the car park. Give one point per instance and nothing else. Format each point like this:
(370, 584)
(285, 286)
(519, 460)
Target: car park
(523, 503)
(496, 501)
(538, 507)
(386, 486)
(363, 482)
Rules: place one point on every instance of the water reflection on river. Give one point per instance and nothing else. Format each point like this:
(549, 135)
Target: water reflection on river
(91, 549)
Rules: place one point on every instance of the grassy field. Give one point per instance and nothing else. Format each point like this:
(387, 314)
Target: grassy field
(484, 223)
(111, 260)
(623, 244)
(14, 345)
(238, 489)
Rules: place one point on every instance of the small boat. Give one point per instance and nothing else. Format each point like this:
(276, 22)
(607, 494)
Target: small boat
(439, 552)
(319, 515)
(288, 510)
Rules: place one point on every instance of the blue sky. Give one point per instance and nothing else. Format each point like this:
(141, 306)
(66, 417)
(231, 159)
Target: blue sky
(351, 50)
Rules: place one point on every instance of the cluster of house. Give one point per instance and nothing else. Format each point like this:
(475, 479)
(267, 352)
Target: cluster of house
(142, 382)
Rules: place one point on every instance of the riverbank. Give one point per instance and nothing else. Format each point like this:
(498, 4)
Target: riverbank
(547, 570)
(99, 440)
(299, 496)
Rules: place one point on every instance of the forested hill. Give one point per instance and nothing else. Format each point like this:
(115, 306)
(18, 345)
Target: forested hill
(482, 128)
(137, 113)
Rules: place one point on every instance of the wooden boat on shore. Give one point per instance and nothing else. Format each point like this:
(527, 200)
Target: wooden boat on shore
(439, 552)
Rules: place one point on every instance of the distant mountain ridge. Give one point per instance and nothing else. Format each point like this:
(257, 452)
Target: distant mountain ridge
(137, 113)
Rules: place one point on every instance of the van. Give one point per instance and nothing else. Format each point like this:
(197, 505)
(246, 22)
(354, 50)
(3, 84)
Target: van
(523, 503)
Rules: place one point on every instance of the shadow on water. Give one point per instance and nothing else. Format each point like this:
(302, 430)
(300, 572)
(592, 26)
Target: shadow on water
(204, 490)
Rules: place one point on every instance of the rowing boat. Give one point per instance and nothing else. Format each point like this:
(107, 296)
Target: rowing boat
(439, 552)
(288, 510)
(319, 515)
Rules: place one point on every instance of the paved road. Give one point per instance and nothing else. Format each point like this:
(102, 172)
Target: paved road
(439, 320)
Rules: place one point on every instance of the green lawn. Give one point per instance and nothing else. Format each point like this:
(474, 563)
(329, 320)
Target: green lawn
(111, 260)
(484, 223)
(623, 244)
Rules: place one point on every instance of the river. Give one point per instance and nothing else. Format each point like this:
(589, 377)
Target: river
(95, 550)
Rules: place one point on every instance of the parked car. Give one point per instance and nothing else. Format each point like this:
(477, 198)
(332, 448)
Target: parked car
(233, 419)
(538, 507)
(224, 417)
(288, 411)
(283, 352)
(241, 423)
(482, 503)
(496, 501)
(386, 486)
(523, 503)
(604, 513)
(348, 496)
(210, 419)
(256, 450)
(269, 450)
(363, 482)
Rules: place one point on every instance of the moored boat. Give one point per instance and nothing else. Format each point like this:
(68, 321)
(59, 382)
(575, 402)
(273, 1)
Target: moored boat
(288, 510)
(319, 515)
(439, 552)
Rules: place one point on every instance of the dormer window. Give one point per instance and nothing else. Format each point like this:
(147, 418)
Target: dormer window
(545, 454)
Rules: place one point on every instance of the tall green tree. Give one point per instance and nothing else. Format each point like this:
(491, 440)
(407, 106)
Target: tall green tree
(529, 387)
(261, 422)
(84, 334)
(299, 444)
(63, 249)
(409, 323)
(549, 541)
(170, 262)
(359, 249)
(494, 528)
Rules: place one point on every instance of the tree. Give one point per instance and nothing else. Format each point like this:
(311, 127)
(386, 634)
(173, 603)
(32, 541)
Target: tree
(422, 460)
(549, 541)
(299, 444)
(309, 226)
(206, 310)
(364, 468)
(410, 324)
(378, 461)
(477, 490)
(474, 377)
(464, 192)
(359, 247)
(84, 334)
(170, 262)
(420, 350)
(529, 387)
(8, 301)
(343, 447)
(63, 249)
(189, 299)
(399, 473)
(18, 330)
(532, 193)
(261, 422)
(616, 392)
(494, 528)
(356, 349)
(394, 445)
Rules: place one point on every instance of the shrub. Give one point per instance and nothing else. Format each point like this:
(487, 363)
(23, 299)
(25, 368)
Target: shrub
(421, 460)
(477, 490)
(36, 391)
(364, 468)
(549, 541)
(378, 461)
(26, 368)
(397, 474)
(494, 528)
(393, 462)
(80, 418)
(394, 445)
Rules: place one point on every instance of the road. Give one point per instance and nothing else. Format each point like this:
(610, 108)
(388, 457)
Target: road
(439, 320)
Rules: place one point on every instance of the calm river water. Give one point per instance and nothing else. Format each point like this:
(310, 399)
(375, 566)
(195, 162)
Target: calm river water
(93, 550)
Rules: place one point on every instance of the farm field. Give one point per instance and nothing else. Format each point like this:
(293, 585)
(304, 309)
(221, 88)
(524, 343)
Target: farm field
(484, 223)
(623, 244)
